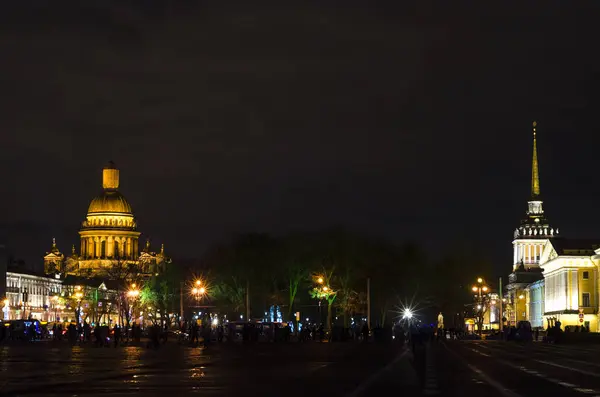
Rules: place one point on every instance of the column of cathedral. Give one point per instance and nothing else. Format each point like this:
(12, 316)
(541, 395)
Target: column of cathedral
(91, 247)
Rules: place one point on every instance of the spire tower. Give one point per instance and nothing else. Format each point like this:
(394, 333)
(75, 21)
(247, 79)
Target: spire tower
(531, 236)
(535, 173)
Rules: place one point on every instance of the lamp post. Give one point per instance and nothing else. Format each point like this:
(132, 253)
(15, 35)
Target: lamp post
(323, 291)
(132, 295)
(198, 292)
(481, 289)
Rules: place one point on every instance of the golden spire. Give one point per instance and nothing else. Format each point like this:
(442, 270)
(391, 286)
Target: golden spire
(535, 173)
(162, 249)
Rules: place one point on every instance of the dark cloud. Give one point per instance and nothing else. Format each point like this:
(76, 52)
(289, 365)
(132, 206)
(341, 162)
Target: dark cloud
(410, 121)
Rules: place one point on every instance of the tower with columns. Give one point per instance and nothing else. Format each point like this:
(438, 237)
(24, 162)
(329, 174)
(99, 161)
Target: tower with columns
(535, 231)
(53, 260)
(108, 237)
(529, 241)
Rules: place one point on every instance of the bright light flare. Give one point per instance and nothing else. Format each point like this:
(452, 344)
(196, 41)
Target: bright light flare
(408, 311)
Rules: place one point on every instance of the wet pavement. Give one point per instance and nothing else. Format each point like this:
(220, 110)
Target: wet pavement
(295, 369)
(507, 369)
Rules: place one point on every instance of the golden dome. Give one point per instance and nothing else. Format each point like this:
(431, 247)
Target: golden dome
(109, 201)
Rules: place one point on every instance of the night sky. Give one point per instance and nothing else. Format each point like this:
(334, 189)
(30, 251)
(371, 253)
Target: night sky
(410, 122)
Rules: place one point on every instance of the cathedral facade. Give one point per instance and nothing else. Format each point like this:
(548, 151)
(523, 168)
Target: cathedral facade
(109, 240)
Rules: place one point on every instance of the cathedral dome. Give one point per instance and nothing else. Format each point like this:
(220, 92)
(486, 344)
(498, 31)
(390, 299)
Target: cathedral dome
(109, 202)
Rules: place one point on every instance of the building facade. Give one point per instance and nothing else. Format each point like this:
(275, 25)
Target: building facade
(529, 241)
(109, 240)
(85, 282)
(553, 278)
(29, 295)
(570, 269)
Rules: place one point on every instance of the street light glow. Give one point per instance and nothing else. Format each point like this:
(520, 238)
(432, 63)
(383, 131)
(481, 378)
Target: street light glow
(202, 290)
(407, 314)
(475, 289)
(320, 280)
(198, 282)
(484, 289)
(480, 280)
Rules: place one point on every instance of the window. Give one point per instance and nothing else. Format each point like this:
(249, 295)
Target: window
(586, 275)
(585, 299)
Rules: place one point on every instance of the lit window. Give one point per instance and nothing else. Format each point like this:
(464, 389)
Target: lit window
(586, 275)
(585, 299)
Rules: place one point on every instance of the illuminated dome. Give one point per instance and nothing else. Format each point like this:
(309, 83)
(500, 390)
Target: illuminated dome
(109, 202)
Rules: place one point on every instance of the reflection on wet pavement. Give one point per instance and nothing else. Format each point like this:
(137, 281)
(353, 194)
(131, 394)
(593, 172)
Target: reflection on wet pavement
(44, 368)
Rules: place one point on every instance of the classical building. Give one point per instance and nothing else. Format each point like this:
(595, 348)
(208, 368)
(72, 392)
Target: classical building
(29, 295)
(86, 282)
(553, 278)
(529, 241)
(570, 269)
(109, 240)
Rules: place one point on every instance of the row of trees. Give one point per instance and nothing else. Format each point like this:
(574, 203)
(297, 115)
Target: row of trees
(284, 272)
(252, 272)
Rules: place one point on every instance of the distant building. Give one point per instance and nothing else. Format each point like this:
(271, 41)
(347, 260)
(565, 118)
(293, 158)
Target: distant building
(30, 295)
(530, 239)
(3, 270)
(571, 282)
(84, 282)
(108, 239)
(553, 278)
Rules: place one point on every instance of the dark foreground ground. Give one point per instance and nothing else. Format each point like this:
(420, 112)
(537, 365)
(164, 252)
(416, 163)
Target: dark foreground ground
(294, 369)
(452, 368)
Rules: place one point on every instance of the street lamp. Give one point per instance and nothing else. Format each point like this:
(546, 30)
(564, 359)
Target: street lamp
(198, 291)
(480, 288)
(78, 296)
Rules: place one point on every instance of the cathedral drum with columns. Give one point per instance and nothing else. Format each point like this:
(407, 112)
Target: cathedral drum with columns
(109, 238)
